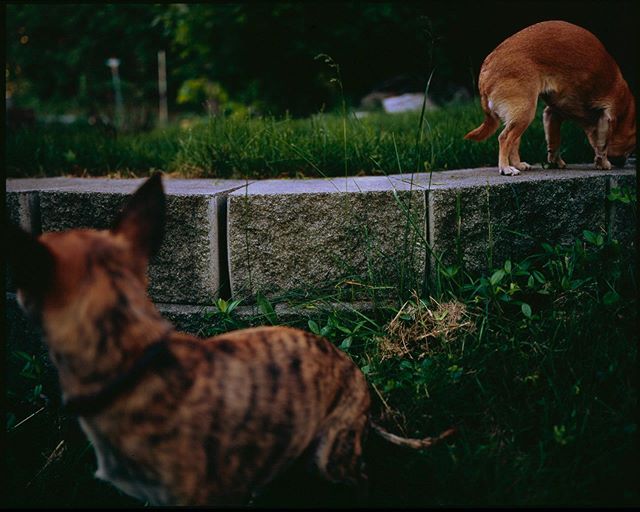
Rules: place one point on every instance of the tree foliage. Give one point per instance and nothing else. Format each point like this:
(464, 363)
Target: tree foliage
(58, 52)
(262, 54)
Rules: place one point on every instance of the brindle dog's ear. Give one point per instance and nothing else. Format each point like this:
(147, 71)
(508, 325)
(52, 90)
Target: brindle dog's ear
(31, 263)
(143, 218)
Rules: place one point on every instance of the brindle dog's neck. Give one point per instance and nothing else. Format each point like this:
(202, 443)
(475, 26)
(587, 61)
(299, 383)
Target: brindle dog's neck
(90, 351)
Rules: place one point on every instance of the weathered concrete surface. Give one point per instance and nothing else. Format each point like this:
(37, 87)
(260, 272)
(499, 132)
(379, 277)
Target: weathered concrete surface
(287, 235)
(306, 234)
(186, 270)
(622, 218)
(23, 334)
(22, 210)
(186, 317)
(479, 219)
(199, 320)
(22, 199)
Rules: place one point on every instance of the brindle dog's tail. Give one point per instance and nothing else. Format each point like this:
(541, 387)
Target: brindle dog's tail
(416, 444)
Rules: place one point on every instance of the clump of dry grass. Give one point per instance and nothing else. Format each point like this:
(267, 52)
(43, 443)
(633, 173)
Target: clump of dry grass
(419, 327)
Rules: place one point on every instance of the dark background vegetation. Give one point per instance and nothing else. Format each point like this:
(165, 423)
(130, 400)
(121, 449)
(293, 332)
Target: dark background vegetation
(263, 54)
(544, 396)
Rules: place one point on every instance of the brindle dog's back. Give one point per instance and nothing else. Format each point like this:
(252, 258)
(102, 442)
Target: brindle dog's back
(230, 413)
(175, 419)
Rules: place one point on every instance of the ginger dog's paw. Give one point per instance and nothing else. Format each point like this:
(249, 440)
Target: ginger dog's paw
(509, 171)
(603, 163)
(554, 160)
(523, 166)
(558, 163)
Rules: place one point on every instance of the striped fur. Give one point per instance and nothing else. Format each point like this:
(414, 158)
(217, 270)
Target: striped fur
(174, 419)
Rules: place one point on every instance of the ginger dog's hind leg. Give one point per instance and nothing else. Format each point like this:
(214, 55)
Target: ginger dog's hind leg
(552, 120)
(598, 136)
(514, 157)
(516, 120)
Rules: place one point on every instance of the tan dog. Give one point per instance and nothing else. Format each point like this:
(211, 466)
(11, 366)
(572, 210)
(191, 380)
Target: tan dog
(578, 80)
(175, 419)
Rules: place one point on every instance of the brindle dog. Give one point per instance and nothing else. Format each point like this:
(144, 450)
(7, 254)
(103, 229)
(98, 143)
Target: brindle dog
(175, 419)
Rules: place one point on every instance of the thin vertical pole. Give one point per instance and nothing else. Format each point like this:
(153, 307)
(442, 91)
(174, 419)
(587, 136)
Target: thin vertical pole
(113, 63)
(163, 111)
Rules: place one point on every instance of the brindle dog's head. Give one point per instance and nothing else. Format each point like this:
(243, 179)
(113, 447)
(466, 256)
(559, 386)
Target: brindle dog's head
(68, 273)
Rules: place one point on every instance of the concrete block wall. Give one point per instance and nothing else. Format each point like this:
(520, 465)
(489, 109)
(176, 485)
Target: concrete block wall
(187, 268)
(233, 238)
(287, 235)
(480, 220)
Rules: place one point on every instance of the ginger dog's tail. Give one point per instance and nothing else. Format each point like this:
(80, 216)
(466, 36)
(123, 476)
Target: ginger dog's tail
(489, 125)
(416, 444)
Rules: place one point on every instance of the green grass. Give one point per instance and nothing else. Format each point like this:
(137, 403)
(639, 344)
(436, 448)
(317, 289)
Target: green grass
(240, 147)
(87, 151)
(541, 380)
(539, 377)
